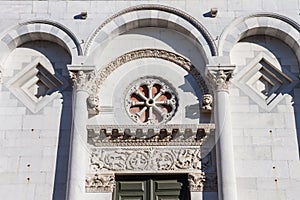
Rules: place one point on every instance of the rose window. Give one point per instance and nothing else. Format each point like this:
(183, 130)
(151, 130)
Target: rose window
(150, 101)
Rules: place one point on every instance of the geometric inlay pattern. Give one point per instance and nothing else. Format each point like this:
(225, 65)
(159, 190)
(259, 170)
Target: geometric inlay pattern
(36, 85)
(150, 101)
(265, 82)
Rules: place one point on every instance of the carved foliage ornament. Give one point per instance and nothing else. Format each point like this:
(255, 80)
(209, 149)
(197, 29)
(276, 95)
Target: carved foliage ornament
(85, 80)
(147, 159)
(150, 101)
(100, 182)
(152, 53)
(196, 181)
(220, 78)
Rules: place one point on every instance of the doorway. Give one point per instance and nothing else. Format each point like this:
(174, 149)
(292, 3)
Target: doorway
(152, 187)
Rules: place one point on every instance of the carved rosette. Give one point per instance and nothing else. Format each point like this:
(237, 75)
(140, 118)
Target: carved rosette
(196, 181)
(146, 159)
(150, 101)
(100, 182)
(220, 77)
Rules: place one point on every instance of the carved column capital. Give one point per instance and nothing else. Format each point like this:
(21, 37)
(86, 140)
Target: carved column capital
(219, 76)
(99, 183)
(83, 80)
(196, 181)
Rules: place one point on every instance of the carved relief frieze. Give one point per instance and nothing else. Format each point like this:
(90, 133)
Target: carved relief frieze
(196, 181)
(145, 159)
(100, 183)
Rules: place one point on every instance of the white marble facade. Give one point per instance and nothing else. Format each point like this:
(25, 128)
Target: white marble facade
(90, 90)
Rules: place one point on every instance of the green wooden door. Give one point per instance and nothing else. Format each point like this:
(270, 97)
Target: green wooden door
(151, 188)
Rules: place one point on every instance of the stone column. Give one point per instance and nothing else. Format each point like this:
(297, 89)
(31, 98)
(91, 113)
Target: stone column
(78, 158)
(219, 77)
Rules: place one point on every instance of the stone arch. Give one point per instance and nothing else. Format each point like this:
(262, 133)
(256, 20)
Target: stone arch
(156, 16)
(184, 63)
(39, 30)
(269, 24)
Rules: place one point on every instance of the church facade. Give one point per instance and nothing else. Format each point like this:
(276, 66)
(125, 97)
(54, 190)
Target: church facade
(187, 100)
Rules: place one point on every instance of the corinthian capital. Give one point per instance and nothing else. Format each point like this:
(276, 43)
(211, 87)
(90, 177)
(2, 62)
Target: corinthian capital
(83, 80)
(83, 77)
(196, 181)
(219, 76)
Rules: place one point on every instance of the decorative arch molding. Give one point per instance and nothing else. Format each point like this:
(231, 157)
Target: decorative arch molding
(39, 30)
(152, 15)
(151, 53)
(270, 24)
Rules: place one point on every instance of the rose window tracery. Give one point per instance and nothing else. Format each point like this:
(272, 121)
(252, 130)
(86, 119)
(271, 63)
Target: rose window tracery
(151, 101)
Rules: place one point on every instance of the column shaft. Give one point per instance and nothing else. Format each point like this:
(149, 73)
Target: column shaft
(78, 149)
(224, 147)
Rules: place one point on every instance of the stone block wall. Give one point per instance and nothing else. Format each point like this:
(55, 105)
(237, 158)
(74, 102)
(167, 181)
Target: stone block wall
(35, 131)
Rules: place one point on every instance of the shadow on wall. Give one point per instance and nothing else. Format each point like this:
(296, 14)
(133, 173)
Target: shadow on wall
(59, 58)
(290, 67)
(194, 111)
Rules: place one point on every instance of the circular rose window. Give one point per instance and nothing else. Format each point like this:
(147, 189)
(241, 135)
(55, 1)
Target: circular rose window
(150, 101)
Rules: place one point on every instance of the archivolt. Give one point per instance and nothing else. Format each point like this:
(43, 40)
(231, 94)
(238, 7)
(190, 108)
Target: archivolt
(151, 53)
(270, 24)
(39, 30)
(204, 39)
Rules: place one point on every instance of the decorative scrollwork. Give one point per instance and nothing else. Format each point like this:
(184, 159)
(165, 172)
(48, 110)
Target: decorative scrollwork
(161, 159)
(196, 181)
(83, 80)
(100, 183)
(150, 101)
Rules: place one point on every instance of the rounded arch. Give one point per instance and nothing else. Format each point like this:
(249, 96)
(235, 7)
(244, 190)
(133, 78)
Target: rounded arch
(179, 60)
(39, 30)
(269, 24)
(156, 16)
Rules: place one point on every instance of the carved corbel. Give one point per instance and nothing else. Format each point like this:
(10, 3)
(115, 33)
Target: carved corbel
(207, 103)
(220, 76)
(196, 181)
(100, 183)
(93, 102)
